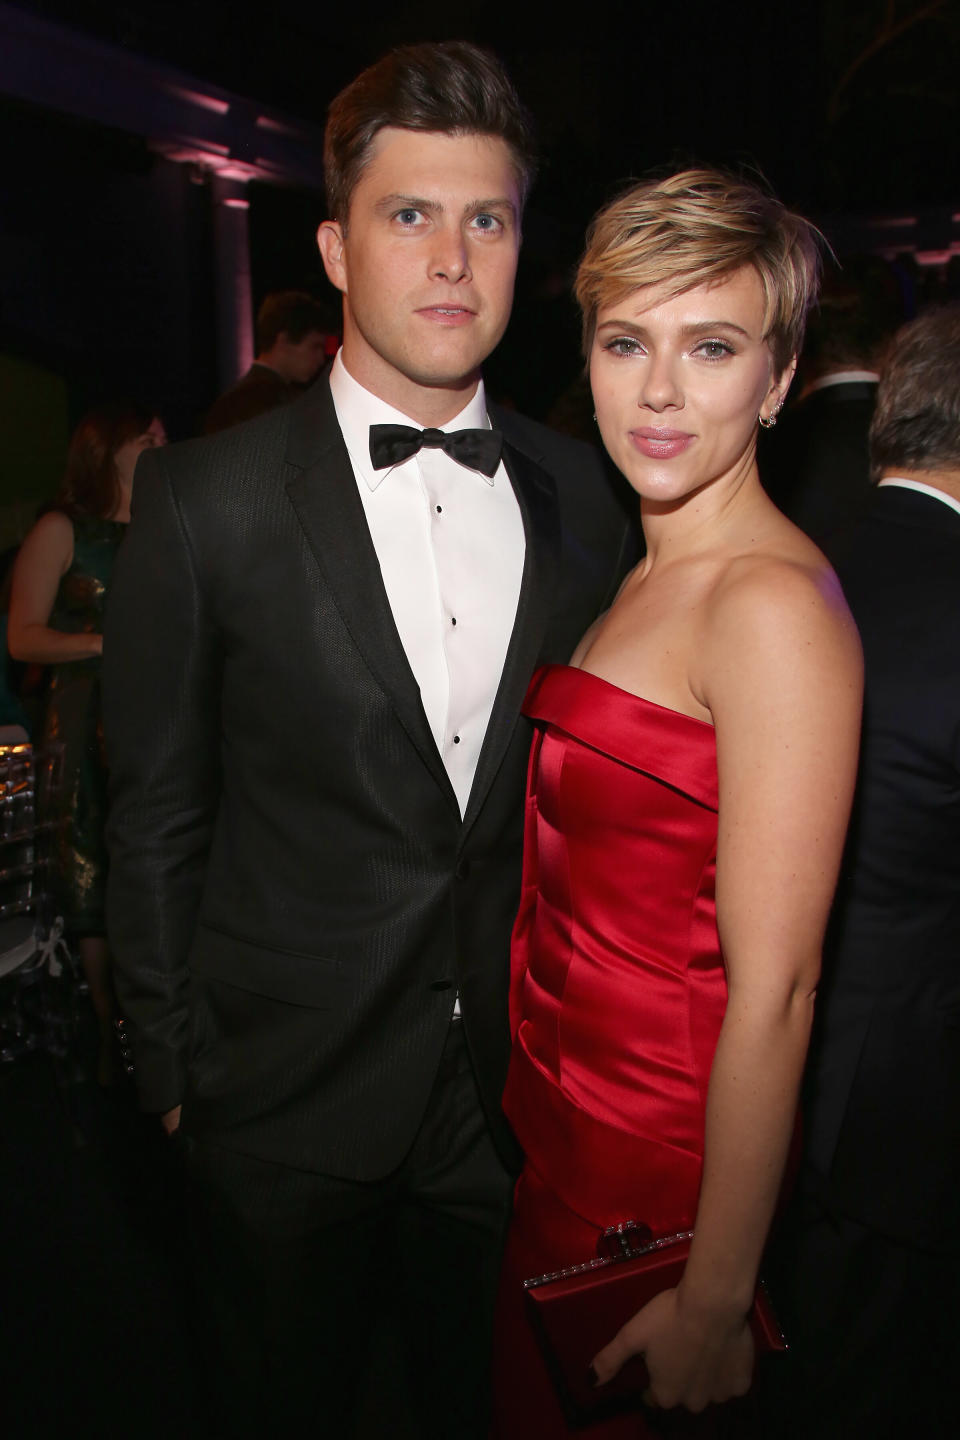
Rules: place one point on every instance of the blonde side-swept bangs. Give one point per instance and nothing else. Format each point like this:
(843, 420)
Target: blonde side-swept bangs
(697, 227)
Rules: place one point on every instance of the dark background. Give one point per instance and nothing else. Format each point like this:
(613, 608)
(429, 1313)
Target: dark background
(849, 109)
(843, 103)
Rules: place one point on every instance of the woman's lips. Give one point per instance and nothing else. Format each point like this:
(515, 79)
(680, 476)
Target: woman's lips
(661, 444)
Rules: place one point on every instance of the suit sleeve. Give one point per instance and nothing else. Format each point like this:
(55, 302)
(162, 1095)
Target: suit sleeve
(161, 684)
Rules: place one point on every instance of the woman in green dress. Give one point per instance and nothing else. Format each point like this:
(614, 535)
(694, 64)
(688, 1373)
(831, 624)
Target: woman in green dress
(60, 580)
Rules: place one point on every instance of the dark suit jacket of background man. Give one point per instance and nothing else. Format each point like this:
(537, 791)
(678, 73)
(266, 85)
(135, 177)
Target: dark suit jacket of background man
(294, 903)
(259, 389)
(883, 1115)
(815, 465)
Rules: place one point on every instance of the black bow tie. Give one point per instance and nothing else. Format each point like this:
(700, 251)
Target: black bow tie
(477, 449)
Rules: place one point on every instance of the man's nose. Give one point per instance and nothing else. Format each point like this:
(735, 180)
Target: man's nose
(450, 259)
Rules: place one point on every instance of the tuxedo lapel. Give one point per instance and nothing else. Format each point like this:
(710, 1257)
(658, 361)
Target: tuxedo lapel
(536, 496)
(322, 489)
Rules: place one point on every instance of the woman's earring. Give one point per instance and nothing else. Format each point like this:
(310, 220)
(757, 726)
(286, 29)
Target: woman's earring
(770, 420)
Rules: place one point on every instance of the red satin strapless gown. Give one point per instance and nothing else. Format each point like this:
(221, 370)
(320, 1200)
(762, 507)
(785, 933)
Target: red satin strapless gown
(617, 996)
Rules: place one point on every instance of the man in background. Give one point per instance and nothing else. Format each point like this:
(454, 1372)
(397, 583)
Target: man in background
(815, 464)
(871, 1260)
(294, 337)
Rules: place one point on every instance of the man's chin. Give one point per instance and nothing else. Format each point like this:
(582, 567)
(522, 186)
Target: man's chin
(443, 375)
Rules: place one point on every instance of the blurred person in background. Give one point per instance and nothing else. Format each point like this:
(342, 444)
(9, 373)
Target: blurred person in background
(60, 581)
(815, 465)
(871, 1256)
(295, 335)
(14, 720)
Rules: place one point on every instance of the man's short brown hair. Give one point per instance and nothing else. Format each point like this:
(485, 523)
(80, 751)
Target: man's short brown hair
(450, 88)
(916, 422)
(293, 313)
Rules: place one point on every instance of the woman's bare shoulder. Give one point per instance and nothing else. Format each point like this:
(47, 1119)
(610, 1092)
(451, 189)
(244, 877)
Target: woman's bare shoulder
(51, 537)
(778, 614)
(53, 523)
(773, 584)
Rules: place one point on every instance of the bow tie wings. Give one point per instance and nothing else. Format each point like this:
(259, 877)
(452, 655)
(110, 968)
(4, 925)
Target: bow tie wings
(477, 449)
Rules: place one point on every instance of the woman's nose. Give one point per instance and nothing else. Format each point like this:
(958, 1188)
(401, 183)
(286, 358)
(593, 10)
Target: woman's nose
(661, 388)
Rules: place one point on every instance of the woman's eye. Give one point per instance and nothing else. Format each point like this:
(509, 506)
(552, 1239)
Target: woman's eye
(714, 349)
(623, 345)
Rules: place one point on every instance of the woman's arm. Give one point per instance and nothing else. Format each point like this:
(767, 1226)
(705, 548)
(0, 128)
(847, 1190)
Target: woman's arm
(45, 557)
(781, 674)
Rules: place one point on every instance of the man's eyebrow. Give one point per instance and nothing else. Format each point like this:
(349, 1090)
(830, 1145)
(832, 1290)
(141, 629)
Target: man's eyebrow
(408, 202)
(479, 207)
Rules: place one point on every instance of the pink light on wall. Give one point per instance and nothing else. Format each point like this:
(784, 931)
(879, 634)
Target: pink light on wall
(235, 343)
(197, 97)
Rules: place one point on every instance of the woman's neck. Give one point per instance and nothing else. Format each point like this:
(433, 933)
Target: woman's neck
(717, 514)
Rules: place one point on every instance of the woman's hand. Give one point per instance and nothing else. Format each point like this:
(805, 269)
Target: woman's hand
(693, 1360)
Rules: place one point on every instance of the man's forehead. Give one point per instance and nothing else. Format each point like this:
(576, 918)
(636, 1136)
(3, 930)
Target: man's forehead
(433, 165)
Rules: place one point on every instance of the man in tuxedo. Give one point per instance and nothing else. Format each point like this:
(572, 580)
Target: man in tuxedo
(872, 1257)
(320, 634)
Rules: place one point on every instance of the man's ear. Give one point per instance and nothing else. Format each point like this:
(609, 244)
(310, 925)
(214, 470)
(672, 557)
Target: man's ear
(330, 242)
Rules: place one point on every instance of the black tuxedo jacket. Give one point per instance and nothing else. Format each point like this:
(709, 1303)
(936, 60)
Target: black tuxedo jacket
(816, 464)
(883, 1114)
(293, 896)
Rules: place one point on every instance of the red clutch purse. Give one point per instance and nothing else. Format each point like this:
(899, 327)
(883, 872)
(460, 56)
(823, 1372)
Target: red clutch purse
(578, 1310)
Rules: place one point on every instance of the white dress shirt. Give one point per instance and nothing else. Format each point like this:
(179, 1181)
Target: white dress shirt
(450, 544)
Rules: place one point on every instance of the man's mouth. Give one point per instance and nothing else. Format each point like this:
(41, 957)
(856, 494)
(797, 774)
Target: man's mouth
(447, 314)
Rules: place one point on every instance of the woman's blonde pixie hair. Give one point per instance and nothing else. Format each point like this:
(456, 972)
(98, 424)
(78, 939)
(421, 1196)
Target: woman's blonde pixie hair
(695, 228)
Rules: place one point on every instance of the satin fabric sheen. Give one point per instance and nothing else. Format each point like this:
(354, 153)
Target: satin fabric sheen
(617, 996)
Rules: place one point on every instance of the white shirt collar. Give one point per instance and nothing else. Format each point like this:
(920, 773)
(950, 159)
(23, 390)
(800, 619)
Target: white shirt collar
(840, 377)
(919, 486)
(357, 409)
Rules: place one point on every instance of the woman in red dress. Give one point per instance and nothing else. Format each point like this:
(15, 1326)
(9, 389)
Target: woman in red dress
(690, 784)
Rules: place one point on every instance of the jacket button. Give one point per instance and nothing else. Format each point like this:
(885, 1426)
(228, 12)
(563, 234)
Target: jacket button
(462, 870)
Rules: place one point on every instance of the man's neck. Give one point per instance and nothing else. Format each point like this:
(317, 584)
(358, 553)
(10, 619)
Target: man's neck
(266, 363)
(946, 480)
(430, 406)
(827, 379)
